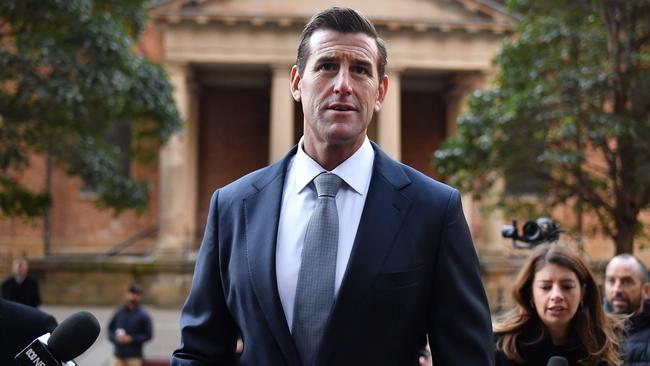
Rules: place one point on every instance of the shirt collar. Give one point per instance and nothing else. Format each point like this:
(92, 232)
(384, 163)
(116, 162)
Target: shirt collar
(355, 170)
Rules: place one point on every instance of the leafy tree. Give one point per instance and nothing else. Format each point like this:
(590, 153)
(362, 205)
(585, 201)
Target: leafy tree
(570, 112)
(70, 75)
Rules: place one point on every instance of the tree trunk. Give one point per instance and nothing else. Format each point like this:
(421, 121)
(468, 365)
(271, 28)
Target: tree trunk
(624, 238)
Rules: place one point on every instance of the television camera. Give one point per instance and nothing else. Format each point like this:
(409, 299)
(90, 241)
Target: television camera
(535, 232)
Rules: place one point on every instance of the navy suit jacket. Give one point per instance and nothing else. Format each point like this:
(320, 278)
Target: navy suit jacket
(413, 272)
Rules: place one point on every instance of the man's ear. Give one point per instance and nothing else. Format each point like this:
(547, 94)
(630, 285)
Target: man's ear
(383, 89)
(295, 83)
(645, 290)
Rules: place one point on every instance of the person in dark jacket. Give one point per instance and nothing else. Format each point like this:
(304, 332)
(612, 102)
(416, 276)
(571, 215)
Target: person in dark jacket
(558, 312)
(636, 349)
(19, 326)
(21, 287)
(626, 292)
(129, 328)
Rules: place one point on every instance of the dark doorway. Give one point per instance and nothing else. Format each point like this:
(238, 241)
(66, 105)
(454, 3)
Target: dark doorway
(424, 121)
(233, 137)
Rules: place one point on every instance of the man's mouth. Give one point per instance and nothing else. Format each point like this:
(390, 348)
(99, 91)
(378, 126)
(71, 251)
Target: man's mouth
(342, 107)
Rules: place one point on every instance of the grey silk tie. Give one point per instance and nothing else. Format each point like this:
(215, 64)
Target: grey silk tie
(315, 289)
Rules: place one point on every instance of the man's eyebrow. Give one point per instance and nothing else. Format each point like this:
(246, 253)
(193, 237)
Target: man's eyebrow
(326, 59)
(621, 277)
(363, 63)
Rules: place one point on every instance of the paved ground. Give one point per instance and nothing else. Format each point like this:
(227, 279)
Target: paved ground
(166, 333)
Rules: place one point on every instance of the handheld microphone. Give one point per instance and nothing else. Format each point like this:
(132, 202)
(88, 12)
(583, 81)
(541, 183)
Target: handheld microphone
(70, 339)
(557, 361)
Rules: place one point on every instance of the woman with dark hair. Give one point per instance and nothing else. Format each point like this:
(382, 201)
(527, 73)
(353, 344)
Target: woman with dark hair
(557, 313)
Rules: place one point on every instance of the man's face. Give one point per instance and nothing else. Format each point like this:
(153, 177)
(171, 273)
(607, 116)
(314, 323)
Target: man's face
(624, 289)
(133, 298)
(339, 89)
(22, 269)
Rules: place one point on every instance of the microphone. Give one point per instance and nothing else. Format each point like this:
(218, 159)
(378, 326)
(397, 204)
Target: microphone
(557, 361)
(70, 339)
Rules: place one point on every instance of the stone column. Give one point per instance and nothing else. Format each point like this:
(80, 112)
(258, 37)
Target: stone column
(389, 128)
(282, 113)
(178, 172)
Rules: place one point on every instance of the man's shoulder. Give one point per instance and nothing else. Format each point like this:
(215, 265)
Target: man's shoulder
(143, 312)
(252, 182)
(424, 187)
(8, 281)
(400, 174)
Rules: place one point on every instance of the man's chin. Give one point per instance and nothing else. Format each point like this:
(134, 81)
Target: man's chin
(621, 310)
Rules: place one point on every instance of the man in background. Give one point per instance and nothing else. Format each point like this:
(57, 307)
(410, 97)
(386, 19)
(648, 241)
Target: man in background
(20, 286)
(129, 328)
(626, 291)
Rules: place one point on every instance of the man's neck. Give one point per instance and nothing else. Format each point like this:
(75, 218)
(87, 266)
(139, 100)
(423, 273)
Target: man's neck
(329, 156)
(19, 279)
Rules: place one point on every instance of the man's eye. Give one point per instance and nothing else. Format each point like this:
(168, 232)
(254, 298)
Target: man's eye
(326, 67)
(627, 281)
(359, 70)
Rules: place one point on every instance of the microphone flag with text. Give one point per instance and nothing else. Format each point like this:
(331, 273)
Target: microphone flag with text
(70, 339)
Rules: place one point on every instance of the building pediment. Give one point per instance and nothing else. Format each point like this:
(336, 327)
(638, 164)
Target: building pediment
(419, 15)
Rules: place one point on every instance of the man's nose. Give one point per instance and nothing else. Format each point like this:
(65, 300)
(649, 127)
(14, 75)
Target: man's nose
(342, 83)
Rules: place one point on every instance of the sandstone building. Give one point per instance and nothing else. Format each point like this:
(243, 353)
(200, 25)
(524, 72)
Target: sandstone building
(229, 62)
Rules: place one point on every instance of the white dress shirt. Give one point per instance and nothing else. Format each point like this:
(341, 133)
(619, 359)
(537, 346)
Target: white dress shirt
(298, 201)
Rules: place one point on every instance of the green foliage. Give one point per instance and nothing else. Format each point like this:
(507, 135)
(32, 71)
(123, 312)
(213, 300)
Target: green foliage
(69, 73)
(570, 110)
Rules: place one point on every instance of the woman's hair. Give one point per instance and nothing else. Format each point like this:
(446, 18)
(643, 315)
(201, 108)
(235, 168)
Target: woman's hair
(597, 331)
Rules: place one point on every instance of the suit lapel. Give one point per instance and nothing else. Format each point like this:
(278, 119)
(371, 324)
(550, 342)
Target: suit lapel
(262, 212)
(383, 213)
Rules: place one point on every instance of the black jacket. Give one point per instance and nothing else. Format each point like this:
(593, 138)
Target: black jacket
(636, 349)
(19, 326)
(26, 292)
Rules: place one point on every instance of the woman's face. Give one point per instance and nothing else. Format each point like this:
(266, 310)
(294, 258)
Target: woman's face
(556, 294)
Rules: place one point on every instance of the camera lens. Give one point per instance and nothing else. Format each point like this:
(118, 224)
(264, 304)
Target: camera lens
(508, 231)
(532, 231)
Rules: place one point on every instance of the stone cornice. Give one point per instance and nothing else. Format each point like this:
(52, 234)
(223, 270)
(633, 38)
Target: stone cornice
(297, 21)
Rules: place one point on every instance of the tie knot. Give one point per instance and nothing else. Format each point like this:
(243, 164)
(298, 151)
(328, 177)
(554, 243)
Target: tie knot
(327, 184)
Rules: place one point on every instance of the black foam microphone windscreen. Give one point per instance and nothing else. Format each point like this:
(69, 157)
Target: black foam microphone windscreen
(557, 361)
(73, 336)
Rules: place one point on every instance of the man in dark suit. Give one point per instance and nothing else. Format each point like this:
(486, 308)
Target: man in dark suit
(336, 255)
(20, 286)
(19, 326)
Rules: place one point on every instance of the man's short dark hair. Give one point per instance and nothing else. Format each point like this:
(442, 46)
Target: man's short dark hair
(344, 20)
(135, 288)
